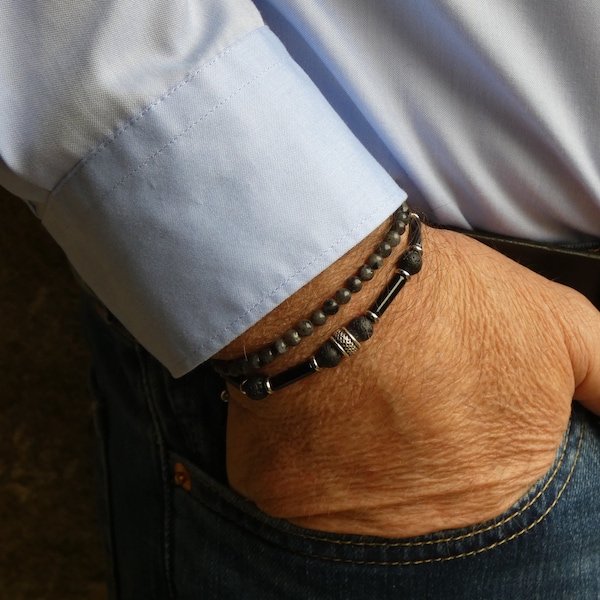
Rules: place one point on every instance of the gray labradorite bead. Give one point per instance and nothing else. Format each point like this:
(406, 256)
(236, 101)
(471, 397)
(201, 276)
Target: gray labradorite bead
(399, 227)
(375, 261)
(343, 296)
(246, 366)
(330, 307)
(411, 262)
(279, 347)
(318, 317)
(292, 337)
(255, 388)
(361, 328)
(254, 361)
(305, 328)
(354, 284)
(266, 356)
(384, 249)
(366, 273)
(402, 213)
(328, 356)
(393, 238)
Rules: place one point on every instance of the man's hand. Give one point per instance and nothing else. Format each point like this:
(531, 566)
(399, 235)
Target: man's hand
(452, 410)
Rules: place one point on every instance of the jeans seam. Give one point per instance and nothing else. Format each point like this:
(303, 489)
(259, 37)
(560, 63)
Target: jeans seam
(164, 463)
(463, 554)
(388, 545)
(464, 536)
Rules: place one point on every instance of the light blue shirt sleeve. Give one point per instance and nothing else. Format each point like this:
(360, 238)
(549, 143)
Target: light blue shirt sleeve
(193, 174)
(198, 167)
(486, 112)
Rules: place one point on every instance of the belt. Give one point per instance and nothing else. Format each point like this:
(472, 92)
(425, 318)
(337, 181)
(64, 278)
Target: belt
(576, 267)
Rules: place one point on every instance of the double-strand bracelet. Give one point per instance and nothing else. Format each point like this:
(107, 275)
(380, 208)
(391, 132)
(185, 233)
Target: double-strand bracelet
(346, 341)
(245, 365)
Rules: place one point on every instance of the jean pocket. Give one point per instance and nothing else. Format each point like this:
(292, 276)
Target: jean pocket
(217, 529)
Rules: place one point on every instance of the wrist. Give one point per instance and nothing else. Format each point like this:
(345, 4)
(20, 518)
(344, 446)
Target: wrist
(453, 409)
(322, 309)
(349, 374)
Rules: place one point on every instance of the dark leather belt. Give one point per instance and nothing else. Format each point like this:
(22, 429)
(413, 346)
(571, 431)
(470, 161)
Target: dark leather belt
(575, 267)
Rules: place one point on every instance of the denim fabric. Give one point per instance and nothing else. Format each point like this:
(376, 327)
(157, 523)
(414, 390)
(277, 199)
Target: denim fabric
(196, 539)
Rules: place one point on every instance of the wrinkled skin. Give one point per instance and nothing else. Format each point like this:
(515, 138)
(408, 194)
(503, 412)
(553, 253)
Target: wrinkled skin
(452, 410)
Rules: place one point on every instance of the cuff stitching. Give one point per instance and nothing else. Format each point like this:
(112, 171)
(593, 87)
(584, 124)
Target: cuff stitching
(196, 122)
(135, 118)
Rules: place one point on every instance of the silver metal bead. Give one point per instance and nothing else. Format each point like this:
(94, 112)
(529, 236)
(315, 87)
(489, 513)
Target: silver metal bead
(354, 340)
(314, 365)
(372, 316)
(346, 342)
(338, 345)
(268, 386)
(404, 274)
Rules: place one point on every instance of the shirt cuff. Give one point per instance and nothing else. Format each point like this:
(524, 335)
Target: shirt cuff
(217, 202)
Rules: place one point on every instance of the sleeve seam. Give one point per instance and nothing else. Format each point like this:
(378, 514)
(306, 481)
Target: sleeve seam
(193, 124)
(149, 107)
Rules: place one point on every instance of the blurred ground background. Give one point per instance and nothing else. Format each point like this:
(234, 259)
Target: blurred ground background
(50, 545)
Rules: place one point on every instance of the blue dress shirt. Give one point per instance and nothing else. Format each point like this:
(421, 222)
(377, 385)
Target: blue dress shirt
(198, 166)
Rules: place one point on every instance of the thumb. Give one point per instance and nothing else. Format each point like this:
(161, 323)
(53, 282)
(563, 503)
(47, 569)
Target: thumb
(583, 339)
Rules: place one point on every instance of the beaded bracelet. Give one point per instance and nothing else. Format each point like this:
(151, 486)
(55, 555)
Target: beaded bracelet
(253, 362)
(346, 341)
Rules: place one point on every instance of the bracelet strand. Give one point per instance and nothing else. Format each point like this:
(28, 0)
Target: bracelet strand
(346, 341)
(293, 337)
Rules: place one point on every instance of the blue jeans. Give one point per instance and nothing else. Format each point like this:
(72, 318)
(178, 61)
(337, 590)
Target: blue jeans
(174, 530)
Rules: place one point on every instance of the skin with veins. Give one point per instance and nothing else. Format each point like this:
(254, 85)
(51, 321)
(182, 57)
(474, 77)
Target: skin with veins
(452, 410)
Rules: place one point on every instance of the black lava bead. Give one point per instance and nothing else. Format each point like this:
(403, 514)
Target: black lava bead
(411, 262)
(328, 356)
(361, 328)
(255, 388)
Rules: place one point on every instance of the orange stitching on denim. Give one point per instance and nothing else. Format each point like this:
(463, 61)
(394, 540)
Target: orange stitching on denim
(464, 554)
(450, 539)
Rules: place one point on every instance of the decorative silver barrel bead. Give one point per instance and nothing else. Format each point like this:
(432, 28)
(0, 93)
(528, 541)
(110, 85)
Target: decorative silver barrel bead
(345, 341)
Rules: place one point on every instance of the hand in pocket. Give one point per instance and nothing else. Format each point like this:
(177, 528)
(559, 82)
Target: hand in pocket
(450, 412)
